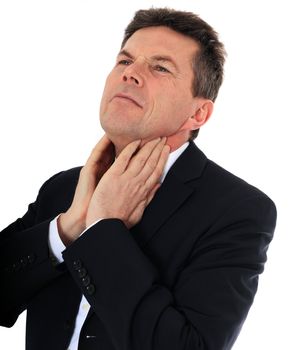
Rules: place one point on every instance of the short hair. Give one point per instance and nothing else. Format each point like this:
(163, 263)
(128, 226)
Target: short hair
(207, 64)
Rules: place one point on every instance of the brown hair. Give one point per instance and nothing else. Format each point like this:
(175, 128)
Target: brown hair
(208, 62)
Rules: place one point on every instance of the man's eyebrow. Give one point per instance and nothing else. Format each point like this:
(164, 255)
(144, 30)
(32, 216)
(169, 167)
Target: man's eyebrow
(159, 58)
(125, 53)
(165, 58)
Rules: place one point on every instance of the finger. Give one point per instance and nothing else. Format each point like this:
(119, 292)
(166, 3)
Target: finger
(121, 163)
(141, 158)
(152, 161)
(99, 152)
(152, 193)
(136, 214)
(159, 168)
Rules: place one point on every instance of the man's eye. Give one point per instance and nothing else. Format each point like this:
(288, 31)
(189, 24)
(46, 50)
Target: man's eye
(161, 69)
(124, 62)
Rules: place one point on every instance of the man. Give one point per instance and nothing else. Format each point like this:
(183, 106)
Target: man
(150, 245)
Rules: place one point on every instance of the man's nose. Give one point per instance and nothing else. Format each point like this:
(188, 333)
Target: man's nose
(132, 75)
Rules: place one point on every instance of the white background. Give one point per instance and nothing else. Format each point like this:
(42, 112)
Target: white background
(54, 58)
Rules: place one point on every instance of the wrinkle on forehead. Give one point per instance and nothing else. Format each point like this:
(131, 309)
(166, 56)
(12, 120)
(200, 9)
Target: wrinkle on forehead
(162, 38)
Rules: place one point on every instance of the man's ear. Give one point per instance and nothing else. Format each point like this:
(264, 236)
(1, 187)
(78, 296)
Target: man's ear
(201, 116)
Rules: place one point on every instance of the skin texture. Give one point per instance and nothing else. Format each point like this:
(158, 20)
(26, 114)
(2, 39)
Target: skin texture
(147, 110)
(162, 89)
(133, 178)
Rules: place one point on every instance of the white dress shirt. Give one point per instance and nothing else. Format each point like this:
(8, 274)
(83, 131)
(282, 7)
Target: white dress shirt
(57, 247)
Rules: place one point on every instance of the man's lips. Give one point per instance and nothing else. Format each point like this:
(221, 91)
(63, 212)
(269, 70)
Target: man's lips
(128, 97)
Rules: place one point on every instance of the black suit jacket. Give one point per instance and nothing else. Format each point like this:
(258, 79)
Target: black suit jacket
(183, 278)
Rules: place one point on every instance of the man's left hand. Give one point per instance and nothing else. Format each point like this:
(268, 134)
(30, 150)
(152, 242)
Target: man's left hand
(130, 184)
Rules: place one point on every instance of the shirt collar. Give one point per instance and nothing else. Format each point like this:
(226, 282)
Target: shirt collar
(173, 156)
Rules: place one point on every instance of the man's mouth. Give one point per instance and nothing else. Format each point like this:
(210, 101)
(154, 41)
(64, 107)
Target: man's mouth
(128, 98)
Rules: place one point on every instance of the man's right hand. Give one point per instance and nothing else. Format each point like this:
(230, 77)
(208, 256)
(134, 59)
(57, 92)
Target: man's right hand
(73, 222)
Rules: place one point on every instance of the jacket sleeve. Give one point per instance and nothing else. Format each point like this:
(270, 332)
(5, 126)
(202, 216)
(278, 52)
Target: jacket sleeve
(25, 262)
(209, 302)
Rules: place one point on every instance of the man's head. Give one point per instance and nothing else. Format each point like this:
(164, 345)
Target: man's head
(171, 64)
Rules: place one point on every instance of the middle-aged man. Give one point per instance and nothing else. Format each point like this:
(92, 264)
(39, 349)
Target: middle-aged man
(141, 249)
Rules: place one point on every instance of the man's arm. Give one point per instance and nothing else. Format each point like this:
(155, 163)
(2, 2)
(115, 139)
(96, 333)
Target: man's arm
(206, 307)
(25, 261)
(208, 304)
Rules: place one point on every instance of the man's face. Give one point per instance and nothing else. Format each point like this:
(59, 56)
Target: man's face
(148, 93)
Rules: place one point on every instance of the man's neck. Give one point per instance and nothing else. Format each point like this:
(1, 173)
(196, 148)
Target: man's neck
(175, 142)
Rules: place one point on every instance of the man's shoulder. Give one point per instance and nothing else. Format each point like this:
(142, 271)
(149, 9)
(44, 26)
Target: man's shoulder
(56, 194)
(62, 183)
(213, 177)
(221, 180)
(69, 176)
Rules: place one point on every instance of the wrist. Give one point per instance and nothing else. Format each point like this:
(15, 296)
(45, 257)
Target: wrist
(69, 227)
(93, 217)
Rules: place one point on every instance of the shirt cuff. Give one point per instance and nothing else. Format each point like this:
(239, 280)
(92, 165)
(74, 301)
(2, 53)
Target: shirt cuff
(94, 223)
(55, 243)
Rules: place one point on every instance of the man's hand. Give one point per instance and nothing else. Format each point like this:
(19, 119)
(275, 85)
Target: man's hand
(72, 223)
(130, 184)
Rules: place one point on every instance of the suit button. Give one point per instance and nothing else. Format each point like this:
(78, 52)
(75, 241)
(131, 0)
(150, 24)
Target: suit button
(77, 264)
(86, 280)
(31, 258)
(23, 262)
(16, 266)
(82, 272)
(90, 289)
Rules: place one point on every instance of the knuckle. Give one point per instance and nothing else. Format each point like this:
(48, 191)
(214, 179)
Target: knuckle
(137, 190)
(141, 159)
(152, 166)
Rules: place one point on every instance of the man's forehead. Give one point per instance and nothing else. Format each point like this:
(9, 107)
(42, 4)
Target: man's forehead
(160, 41)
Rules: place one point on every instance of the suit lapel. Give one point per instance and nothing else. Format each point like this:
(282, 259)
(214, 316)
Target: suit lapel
(178, 185)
